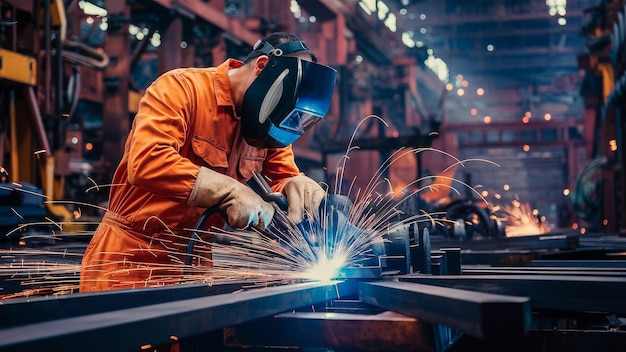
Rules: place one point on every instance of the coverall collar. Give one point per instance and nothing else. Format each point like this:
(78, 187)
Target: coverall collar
(222, 82)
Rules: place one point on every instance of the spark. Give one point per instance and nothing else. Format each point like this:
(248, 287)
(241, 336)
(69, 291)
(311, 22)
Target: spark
(350, 234)
(520, 220)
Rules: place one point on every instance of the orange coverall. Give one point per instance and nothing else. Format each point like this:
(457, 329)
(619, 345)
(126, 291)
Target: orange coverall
(186, 119)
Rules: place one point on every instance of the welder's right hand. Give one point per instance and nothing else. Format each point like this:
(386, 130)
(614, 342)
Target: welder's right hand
(242, 206)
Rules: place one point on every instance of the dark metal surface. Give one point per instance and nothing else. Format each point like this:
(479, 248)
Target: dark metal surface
(129, 329)
(381, 331)
(554, 241)
(578, 271)
(33, 310)
(580, 263)
(572, 293)
(478, 314)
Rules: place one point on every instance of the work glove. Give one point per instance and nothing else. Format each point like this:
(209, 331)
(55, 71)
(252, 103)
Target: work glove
(241, 205)
(303, 195)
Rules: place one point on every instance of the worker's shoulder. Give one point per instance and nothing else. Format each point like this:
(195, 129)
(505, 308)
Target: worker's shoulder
(190, 72)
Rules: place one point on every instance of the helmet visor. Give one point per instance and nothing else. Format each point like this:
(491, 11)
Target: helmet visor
(314, 94)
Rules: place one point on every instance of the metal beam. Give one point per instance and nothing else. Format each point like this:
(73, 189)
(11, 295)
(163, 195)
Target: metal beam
(482, 315)
(386, 331)
(570, 293)
(155, 325)
(512, 270)
(580, 263)
(38, 309)
(212, 15)
(542, 242)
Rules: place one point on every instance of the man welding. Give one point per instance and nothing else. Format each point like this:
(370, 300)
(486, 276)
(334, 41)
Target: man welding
(198, 136)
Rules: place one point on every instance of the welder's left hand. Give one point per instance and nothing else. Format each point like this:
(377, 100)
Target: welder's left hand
(303, 195)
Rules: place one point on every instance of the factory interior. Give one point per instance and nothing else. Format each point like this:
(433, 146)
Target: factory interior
(479, 144)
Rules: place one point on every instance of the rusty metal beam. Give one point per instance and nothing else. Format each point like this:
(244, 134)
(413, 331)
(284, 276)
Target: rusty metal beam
(477, 314)
(212, 15)
(157, 324)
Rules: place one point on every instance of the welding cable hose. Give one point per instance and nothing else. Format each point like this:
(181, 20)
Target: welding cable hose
(192, 240)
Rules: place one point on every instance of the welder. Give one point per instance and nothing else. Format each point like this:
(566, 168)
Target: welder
(199, 135)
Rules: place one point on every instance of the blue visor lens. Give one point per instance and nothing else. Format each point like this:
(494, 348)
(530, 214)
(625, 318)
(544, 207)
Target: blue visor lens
(299, 120)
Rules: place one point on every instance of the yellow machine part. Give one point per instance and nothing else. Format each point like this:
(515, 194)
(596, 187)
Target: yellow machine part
(608, 79)
(57, 17)
(17, 67)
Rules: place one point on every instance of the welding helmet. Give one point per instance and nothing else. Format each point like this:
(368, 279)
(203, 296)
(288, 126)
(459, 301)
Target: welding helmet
(287, 97)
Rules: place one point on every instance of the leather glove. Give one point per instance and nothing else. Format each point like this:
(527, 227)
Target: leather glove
(303, 195)
(242, 206)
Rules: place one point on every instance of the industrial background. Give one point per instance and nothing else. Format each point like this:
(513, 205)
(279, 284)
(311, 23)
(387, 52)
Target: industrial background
(513, 111)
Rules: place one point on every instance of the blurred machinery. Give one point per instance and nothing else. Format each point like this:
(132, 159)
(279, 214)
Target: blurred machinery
(601, 185)
(73, 73)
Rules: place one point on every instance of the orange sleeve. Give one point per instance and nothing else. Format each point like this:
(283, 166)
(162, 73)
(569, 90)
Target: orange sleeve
(158, 134)
(280, 166)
